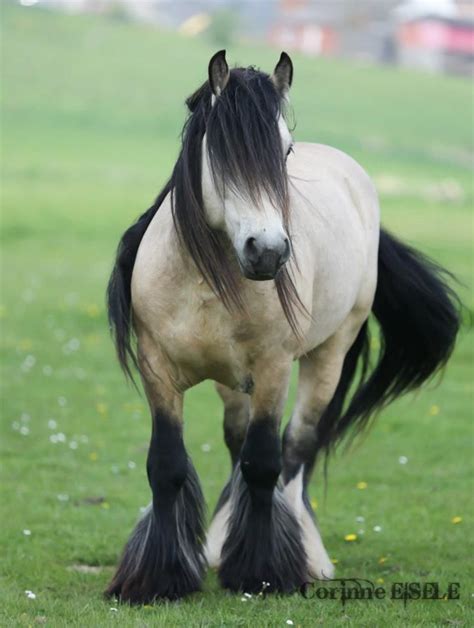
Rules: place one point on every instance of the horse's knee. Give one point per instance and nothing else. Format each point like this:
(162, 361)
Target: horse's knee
(167, 462)
(299, 446)
(260, 458)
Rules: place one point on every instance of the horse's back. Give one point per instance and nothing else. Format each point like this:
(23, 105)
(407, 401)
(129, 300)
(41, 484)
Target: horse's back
(320, 164)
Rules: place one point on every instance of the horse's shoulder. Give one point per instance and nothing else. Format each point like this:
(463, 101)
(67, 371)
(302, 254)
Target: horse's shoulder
(159, 262)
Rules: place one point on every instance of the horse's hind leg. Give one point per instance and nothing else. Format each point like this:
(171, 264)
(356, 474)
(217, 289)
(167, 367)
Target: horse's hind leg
(163, 557)
(263, 546)
(236, 418)
(319, 375)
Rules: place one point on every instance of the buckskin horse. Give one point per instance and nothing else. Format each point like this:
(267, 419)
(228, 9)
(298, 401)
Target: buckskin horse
(258, 252)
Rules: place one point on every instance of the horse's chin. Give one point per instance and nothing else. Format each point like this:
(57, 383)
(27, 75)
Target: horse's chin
(250, 274)
(253, 277)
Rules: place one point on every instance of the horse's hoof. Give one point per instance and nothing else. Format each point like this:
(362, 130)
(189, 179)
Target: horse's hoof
(138, 592)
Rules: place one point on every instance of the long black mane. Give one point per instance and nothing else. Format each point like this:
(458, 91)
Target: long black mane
(245, 154)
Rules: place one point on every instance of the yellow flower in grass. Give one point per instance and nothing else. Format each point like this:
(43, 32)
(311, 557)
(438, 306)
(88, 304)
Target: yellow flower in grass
(350, 538)
(334, 561)
(25, 344)
(434, 410)
(92, 310)
(314, 503)
(93, 456)
(380, 581)
(102, 408)
(382, 560)
(105, 505)
(456, 519)
(361, 485)
(92, 340)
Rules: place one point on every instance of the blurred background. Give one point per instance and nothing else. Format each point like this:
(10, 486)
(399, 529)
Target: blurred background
(436, 35)
(92, 108)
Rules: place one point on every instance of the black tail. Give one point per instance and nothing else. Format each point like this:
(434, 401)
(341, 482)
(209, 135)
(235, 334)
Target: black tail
(119, 289)
(418, 315)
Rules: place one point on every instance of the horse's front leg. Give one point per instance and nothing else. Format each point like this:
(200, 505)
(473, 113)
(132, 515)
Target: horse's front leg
(263, 549)
(163, 557)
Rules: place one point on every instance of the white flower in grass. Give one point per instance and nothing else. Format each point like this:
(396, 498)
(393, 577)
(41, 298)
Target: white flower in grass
(248, 595)
(30, 595)
(377, 528)
(24, 431)
(63, 497)
(131, 464)
(74, 344)
(71, 298)
(244, 599)
(15, 426)
(403, 460)
(206, 448)
(113, 609)
(52, 424)
(80, 373)
(28, 363)
(73, 444)
(289, 622)
(62, 401)
(28, 295)
(27, 532)
(53, 439)
(61, 437)
(360, 519)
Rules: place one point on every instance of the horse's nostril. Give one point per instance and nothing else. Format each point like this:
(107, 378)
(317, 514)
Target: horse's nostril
(251, 250)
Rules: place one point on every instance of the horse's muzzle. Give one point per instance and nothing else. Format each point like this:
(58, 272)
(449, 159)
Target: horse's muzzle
(262, 264)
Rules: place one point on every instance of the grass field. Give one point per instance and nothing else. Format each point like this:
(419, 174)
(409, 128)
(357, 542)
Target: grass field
(92, 111)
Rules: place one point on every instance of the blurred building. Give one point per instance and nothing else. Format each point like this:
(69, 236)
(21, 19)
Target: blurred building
(435, 35)
(438, 38)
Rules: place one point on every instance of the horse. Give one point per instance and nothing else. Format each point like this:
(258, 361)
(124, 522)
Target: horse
(258, 252)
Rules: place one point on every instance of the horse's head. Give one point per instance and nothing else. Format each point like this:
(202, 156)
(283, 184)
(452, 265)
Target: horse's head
(243, 175)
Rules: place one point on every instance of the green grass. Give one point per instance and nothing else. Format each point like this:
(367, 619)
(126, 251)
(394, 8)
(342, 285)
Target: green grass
(92, 111)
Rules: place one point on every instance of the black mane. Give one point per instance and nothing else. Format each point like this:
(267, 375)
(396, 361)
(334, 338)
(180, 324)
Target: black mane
(245, 154)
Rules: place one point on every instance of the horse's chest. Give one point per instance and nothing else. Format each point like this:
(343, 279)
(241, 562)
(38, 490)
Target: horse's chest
(206, 340)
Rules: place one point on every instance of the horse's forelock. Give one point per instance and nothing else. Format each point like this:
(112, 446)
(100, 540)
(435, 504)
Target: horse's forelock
(245, 153)
(243, 138)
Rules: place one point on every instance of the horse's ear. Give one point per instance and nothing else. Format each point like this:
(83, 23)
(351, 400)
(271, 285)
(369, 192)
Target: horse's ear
(282, 75)
(218, 73)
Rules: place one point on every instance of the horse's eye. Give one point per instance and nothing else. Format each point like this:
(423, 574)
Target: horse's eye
(290, 150)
